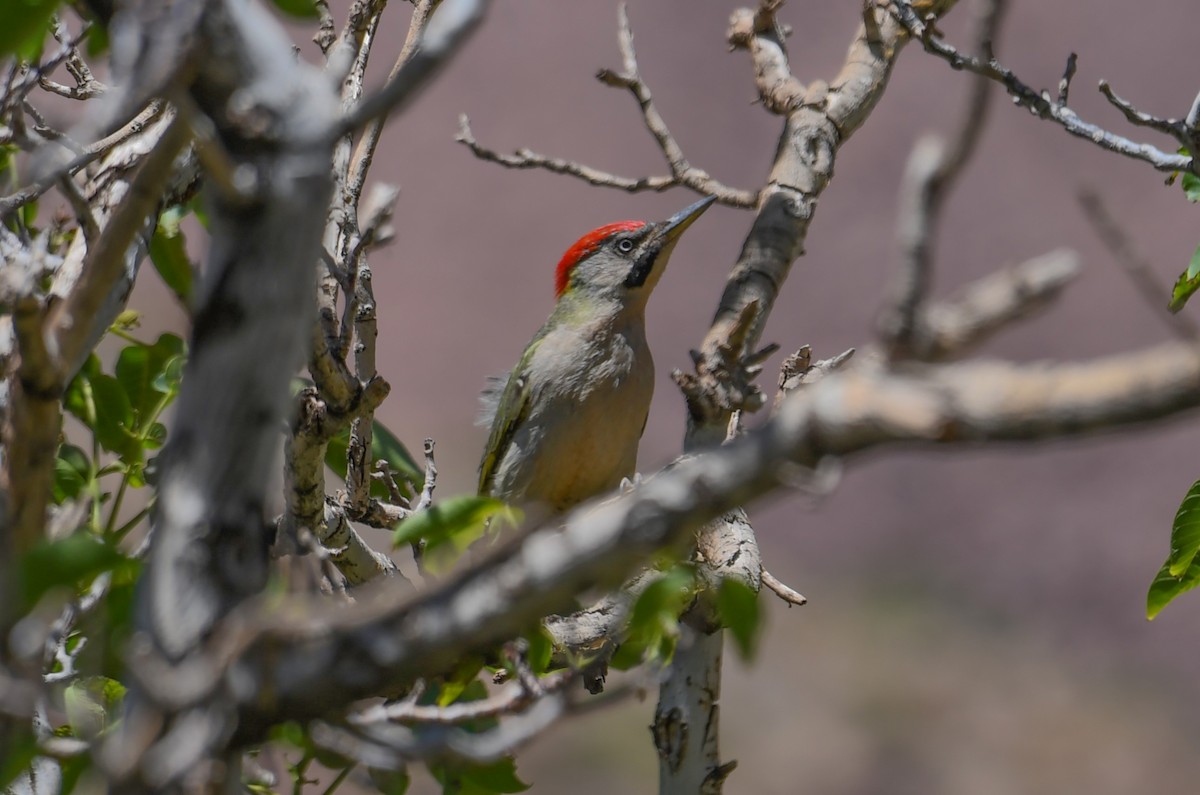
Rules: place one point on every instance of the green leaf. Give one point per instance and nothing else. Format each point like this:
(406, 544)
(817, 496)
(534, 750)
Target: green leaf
(304, 9)
(92, 703)
(1181, 571)
(7, 154)
(1185, 532)
(331, 760)
(197, 208)
(654, 622)
(101, 403)
(541, 649)
(389, 782)
(113, 623)
(499, 776)
(116, 427)
(168, 381)
(1191, 186)
(739, 608)
(466, 778)
(24, 27)
(73, 770)
(1167, 586)
(168, 252)
(386, 446)
(29, 212)
(142, 372)
(450, 527)
(67, 562)
(462, 684)
(1187, 284)
(72, 472)
(291, 733)
(16, 758)
(97, 40)
(78, 398)
(155, 437)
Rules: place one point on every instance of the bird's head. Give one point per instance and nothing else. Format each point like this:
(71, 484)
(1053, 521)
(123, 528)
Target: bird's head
(624, 259)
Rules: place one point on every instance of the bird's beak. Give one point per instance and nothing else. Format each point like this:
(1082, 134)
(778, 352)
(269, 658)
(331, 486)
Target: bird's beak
(681, 220)
(662, 242)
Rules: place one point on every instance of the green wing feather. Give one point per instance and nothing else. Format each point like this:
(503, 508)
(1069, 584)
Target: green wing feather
(511, 411)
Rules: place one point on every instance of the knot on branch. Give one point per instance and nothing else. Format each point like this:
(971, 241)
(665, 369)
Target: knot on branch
(723, 381)
(745, 24)
(759, 32)
(799, 369)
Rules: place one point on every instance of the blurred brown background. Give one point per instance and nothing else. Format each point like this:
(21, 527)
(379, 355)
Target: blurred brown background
(976, 619)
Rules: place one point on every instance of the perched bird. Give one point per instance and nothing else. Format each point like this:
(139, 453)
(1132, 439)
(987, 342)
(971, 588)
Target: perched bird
(567, 419)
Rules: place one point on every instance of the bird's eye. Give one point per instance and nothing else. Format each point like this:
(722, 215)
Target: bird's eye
(625, 245)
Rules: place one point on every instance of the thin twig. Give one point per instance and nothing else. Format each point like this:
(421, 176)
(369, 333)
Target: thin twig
(364, 153)
(1039, 102)
(137, 124)
(782, 590)
(431, 474)
(513, 697)
(952, 327)
(933, 168)
(446, 32)
(1135, 266)
(683, 173)
(1064, 84)
(524, 158)
(1172, 127)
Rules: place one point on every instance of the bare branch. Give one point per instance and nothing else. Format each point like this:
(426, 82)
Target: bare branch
(524, 158)
(431, 473)
(353, 557)
(814, 131)
(390, 746)
(1175, 128)
(1135, 266)
(71, 322)
(682, 174)
(687, 720)
(782, 590)
(135, 126)
(364, 153)
(798, 370)
(448, 30)
(763, 36)
(381, 643)
(1040, 104)
(1064, 84)
(933, 168)
(513, 697)
(31, 435)
(948, 329)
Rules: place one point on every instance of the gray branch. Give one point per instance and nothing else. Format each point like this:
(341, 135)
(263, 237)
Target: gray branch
(1040, 103)
(306, 659)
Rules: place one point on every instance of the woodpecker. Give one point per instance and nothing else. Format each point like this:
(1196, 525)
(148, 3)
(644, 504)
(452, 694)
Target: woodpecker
(566, 420)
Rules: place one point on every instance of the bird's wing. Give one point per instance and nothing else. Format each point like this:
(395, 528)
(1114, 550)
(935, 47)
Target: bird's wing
(508, 411)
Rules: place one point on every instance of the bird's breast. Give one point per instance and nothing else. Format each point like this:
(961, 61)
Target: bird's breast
(591, 394)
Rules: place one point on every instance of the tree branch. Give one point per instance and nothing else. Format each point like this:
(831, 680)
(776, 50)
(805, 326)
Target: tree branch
(1040, 104)
(933, 167)
(303, 659)
(682, 173)
(813, 133)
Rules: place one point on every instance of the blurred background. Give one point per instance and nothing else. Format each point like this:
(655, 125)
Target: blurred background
(976, 618)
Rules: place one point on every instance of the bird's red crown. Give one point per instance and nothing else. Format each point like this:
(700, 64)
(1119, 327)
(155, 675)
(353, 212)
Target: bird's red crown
(585, 247)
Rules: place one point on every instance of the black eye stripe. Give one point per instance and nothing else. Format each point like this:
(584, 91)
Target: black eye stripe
(641, 269)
